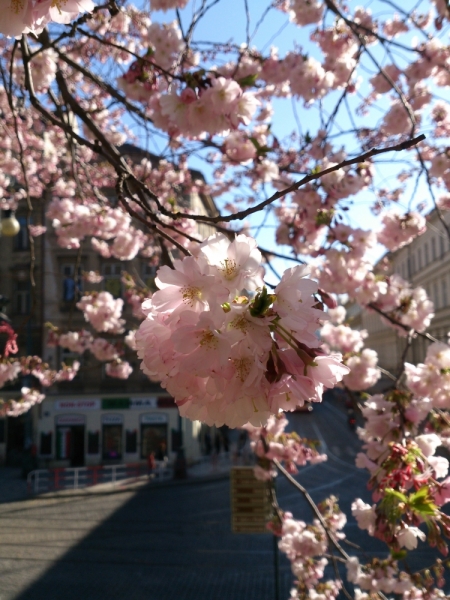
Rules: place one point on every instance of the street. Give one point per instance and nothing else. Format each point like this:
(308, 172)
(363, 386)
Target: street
(170, 542)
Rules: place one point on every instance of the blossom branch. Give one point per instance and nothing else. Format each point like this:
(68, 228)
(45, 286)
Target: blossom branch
(405, 145)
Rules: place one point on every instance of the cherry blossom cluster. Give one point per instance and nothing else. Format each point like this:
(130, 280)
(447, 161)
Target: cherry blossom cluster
(404, 304)
(213, 106)
(102, 349)
(223, 347)
(361, 362)
(11, 369)
(432, 378)
(33, 15)
(29, 398)
(408, 480)
(272, 442)
(399, 230)
(74, 220)
(364, 372)
(379, 576)
(348, 270)
(305, 545)
(35, 366)
(103, 311)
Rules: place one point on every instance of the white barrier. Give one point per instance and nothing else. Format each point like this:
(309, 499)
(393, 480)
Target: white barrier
(74, 478)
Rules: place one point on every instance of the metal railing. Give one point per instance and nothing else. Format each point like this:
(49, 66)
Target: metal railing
(74, 478)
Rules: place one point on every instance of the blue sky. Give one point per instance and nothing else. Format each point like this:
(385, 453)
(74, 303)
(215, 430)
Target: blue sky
(226, 22)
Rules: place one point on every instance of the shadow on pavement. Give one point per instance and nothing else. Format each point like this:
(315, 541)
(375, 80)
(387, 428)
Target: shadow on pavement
(160, 544)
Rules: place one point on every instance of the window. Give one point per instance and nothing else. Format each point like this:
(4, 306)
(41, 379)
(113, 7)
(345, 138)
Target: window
(419, 258)
(444, 293)
(433, 248)
(112, 442)
(427, 255)
(22, 240)
(442, 244)
(23, 297)
(436, 298)
(72, 286)
(112, 279)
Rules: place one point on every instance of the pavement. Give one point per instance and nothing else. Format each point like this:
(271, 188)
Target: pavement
(14, 488)
(12, 485)
(156, 543)
(173, 541)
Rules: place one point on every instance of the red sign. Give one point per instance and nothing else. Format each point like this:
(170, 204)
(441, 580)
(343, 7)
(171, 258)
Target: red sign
(77, 404)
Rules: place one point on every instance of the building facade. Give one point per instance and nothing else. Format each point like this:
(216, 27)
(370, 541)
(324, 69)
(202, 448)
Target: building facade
(94, 419)
(425, 262)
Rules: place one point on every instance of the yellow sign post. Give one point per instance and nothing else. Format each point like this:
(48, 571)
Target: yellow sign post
(250, 502)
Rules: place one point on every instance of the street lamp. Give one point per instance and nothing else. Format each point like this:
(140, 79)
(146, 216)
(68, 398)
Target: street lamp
(180, 467)
(10, 226)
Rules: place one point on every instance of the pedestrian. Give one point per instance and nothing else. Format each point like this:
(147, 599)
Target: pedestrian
(242, 441)
(161, 454)
(208, 444)
(151, 464)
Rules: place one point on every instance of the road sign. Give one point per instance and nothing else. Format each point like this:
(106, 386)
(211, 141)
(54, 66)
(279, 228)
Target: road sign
(251, 508)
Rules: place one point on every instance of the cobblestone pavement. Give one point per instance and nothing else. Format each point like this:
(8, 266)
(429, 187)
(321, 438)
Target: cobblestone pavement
(12, 485)
(168, 542)
(156, 544)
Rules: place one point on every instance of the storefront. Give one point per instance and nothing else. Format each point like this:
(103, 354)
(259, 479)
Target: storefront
(112, 436)
(70, 436)
(78, 431)
(154, 435)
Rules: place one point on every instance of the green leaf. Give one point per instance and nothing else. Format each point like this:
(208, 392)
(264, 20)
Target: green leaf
(261, 303)
(423, 492)
(248, 81)
(391, 494)
(421, 502)
(255, 142)
(399, 554)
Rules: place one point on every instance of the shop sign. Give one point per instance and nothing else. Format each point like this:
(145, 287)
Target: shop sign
(166, 402)
(250, 502)
(138, 403)
(115, 403)
(77, 405)
(153, 418)
(112, 419)
(70, 420)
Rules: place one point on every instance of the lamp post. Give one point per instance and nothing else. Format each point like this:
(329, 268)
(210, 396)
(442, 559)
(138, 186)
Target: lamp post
(10, 226)
(180, 467)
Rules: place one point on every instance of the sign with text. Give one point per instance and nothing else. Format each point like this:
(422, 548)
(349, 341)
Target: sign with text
(112, 419)
(250, 502)
(70, 420)
(153, 418)
(138, 403)
(77, 404)
(115, 403)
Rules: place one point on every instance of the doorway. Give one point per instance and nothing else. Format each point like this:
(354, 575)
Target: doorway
(154, 439)
(70, 444)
